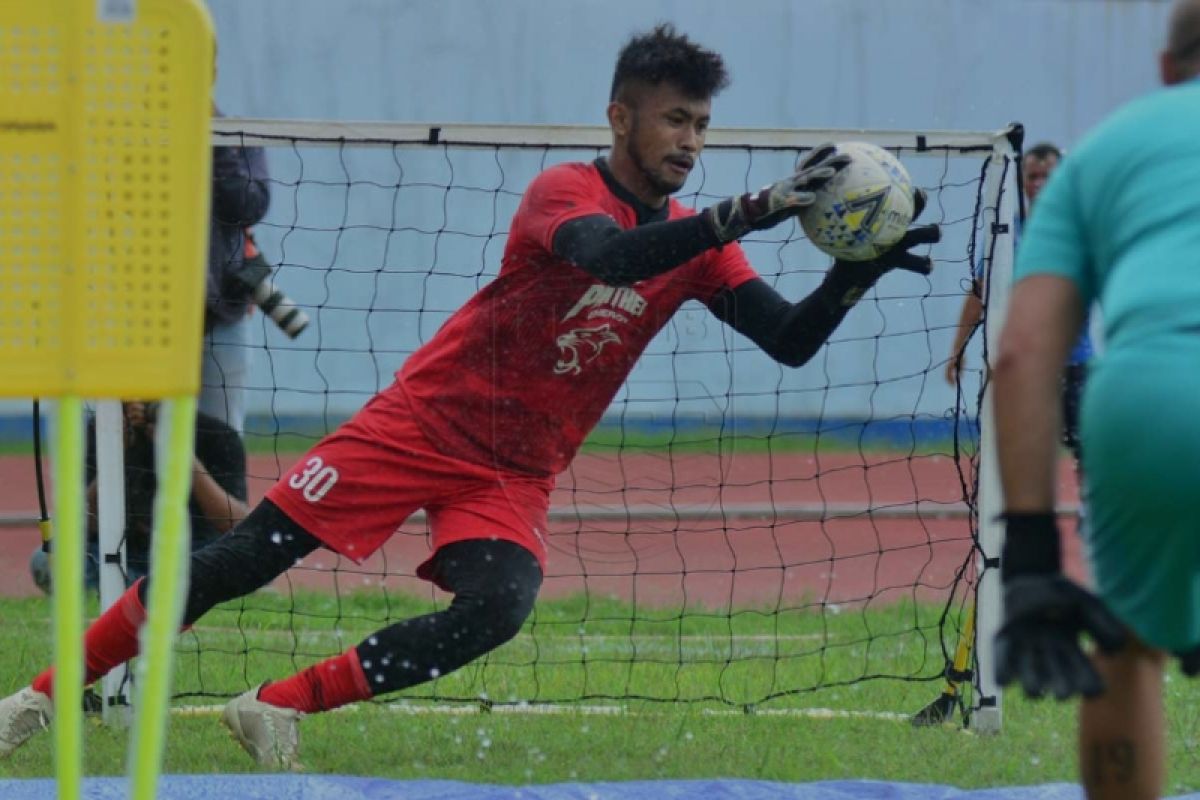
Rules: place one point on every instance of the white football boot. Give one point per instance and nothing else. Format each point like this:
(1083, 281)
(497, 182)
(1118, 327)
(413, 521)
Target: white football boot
(21, 716)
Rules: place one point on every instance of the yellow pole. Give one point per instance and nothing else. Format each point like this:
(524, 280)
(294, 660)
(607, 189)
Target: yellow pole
(67, 598)
(169, 551)
(962, 653)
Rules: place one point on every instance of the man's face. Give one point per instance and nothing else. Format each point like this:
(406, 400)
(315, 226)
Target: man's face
(665, 136)
(1035, 172)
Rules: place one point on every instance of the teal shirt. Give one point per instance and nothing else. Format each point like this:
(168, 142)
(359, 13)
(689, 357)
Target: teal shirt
(1082, 351)
(1121, 218)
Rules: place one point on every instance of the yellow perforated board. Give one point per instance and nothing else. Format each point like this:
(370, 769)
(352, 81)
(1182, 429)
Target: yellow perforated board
(104, 196)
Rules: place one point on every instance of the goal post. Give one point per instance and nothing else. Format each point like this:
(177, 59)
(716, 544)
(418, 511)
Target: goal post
(976, 639)
(1000, 218)
(734, 533)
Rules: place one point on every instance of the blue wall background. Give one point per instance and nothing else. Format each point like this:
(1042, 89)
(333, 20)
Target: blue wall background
(1059, 66)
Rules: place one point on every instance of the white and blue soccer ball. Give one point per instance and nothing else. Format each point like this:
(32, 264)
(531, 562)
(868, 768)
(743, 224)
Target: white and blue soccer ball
(864, 209)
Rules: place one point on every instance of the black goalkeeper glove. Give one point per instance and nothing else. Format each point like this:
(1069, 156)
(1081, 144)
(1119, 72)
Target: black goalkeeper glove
(1044, 613)
(854, 278)
(734, 217)
(1189, 662)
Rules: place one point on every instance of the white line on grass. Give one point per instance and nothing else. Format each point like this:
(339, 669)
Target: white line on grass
(572, 638)
(537, 709)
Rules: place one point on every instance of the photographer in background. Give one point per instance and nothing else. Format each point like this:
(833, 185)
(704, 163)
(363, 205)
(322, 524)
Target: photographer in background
(217, 502)
(240, 197)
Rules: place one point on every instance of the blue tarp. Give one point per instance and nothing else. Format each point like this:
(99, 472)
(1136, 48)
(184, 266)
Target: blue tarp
(332, 787)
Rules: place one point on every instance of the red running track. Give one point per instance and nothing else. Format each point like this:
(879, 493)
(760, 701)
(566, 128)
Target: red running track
(686, 530)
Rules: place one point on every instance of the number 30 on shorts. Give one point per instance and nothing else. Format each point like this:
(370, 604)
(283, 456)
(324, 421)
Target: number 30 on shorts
(315, 481)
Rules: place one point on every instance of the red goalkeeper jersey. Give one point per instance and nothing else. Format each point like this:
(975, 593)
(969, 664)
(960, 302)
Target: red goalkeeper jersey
(518, 376)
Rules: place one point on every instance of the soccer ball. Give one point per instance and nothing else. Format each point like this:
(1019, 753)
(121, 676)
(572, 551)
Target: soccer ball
(864, 209)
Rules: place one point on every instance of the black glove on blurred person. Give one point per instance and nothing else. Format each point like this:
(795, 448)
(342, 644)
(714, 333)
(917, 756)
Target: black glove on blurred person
(1044, 614)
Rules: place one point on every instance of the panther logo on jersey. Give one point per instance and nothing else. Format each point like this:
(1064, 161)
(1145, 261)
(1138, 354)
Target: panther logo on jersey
(582, 346)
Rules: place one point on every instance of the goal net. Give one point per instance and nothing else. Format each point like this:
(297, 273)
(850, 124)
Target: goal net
(734, 534)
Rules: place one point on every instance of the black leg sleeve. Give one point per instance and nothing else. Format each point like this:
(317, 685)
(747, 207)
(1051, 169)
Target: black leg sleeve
(261, 548)
(494, 583)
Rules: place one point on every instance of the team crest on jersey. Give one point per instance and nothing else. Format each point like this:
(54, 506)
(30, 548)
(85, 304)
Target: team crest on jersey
(581, 346)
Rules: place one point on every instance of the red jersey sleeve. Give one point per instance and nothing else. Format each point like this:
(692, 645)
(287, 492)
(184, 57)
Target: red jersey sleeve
(561, 193)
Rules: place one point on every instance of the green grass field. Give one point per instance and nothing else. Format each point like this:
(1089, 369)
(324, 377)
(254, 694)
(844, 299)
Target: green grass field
(600, 650)
(735, 696)
(746, 436)
(612, 439)
(639, 739)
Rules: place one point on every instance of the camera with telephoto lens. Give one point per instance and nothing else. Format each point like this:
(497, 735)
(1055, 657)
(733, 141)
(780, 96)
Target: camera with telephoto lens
(252, 281)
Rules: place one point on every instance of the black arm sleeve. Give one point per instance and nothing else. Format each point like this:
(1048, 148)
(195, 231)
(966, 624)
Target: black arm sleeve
(621, 257)
(791, 333)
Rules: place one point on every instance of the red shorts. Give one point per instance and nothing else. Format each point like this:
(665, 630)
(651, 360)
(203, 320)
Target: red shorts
(356, 487)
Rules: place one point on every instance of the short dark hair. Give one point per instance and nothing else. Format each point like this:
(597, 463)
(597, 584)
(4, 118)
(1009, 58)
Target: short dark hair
(1183, 36)
(1044, 150)
(664, 56)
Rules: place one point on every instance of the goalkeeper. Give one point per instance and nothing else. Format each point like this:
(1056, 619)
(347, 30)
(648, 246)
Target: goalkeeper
(483, 416)
(1119, 222)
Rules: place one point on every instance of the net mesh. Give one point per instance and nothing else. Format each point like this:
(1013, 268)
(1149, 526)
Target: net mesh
(734, 533)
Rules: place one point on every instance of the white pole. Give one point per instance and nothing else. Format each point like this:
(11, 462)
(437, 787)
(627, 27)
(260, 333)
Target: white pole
(1000, 188)
(110, 490)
